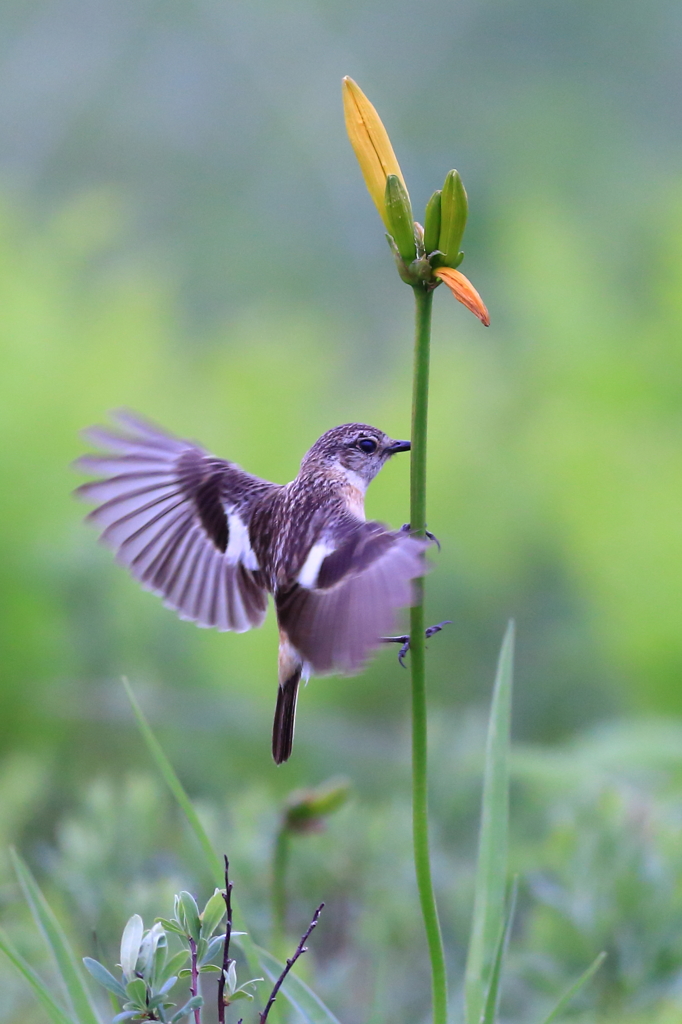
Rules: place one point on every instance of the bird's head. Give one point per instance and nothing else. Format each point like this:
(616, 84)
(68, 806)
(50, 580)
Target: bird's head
(356, 449)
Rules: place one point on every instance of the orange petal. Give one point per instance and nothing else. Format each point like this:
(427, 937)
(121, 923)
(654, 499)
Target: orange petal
(463, 290)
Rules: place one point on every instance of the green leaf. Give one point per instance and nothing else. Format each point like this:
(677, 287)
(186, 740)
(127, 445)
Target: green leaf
(571, 992)
(493, 994)
(104, 977)
(131, 940)
(58, 944)
(209, 968)
(193, 1003)
(42, 992)
(170, 926)
(215, 946)
(173, 965)
(190, 912)
(296, 992)
(491, 868)
(136, 990)
(176, 788)
(213, 914)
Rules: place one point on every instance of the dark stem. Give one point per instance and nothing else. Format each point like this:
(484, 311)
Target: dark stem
(194, 982)
(227, 896)
(301, 948)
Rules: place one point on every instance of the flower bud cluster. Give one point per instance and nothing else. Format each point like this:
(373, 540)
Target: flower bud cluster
(424, 256)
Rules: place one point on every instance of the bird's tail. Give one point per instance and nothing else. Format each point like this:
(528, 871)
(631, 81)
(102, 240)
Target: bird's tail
(290, 668)
(285, 718)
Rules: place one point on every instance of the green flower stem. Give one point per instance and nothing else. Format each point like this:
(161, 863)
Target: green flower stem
(280, 862)
(420, 814)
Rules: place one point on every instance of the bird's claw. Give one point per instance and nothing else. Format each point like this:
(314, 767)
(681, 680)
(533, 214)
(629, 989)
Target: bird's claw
(406, 528)
(405, 639)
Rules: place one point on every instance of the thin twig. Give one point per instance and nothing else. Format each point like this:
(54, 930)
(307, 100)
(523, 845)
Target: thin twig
(227, 896)
(301, 948)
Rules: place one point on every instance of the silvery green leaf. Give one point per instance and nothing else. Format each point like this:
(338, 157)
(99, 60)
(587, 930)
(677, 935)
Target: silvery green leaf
(171, 926)
(240, 993)
(231, 976)
(136, 991)
(202, 946)
(213, 914)
(168, 985)
(194, 1003)
(126, 1015)
(173, 965)
(130, 945)
(214, 947)
(190, 913)
(104, 977)
(154, 938)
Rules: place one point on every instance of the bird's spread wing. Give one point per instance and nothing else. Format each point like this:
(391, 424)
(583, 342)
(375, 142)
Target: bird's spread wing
(178, 518)
(347, 594)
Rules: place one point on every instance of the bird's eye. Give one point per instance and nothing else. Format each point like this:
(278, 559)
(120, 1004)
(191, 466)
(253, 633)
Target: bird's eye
(367, 445)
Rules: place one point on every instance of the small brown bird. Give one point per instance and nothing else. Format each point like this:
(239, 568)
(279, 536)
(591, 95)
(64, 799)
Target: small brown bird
(213, 541)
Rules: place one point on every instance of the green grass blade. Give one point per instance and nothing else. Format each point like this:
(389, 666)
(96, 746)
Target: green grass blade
(571, 992)
(68, 967)
(493, 994)
(296, 992)
(42, 992)
(173, 782)
(491, 868)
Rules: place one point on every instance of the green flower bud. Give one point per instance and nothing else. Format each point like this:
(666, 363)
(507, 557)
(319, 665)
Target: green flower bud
(307, 808)
(432, 223)
(454, 207)
(399, 213)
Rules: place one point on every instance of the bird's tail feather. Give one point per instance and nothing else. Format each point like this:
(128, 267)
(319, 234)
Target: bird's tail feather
(285, 717)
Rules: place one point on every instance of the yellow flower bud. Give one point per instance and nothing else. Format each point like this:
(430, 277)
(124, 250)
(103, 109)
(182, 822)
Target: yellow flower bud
(371, 144)
(463, 290)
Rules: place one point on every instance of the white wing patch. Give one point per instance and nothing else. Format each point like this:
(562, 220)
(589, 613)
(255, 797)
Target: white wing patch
(307, 577)
(239, 546)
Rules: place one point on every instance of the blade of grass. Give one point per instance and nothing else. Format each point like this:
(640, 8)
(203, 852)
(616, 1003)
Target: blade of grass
(295, 991)
(67, 965)
(302, 998)
(493, 995)
(173, 782)
(491, 868)
(573, 990)
(42, 992)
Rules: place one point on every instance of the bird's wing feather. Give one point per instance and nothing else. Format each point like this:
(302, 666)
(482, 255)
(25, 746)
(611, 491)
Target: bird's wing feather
(178, 519)
(335, 616)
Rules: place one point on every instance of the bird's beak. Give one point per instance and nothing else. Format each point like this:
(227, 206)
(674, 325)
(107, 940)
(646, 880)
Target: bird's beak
(398, 446)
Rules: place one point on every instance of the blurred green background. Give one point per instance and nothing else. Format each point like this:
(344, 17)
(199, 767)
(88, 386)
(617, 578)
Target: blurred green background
(184, 231)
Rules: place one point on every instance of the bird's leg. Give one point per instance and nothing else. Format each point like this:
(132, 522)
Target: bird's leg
(405, 528)
(405, 640)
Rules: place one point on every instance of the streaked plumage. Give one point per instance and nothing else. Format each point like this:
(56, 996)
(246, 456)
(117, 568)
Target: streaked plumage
(212, 541)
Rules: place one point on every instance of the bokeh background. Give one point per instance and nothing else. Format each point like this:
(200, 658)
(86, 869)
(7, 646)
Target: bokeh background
(184, 231)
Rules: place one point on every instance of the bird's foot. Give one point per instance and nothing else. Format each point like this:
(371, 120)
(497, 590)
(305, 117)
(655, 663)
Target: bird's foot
(405, 640)
(406, 528)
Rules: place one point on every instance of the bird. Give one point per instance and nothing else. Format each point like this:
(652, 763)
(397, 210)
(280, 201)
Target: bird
(214, 541)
